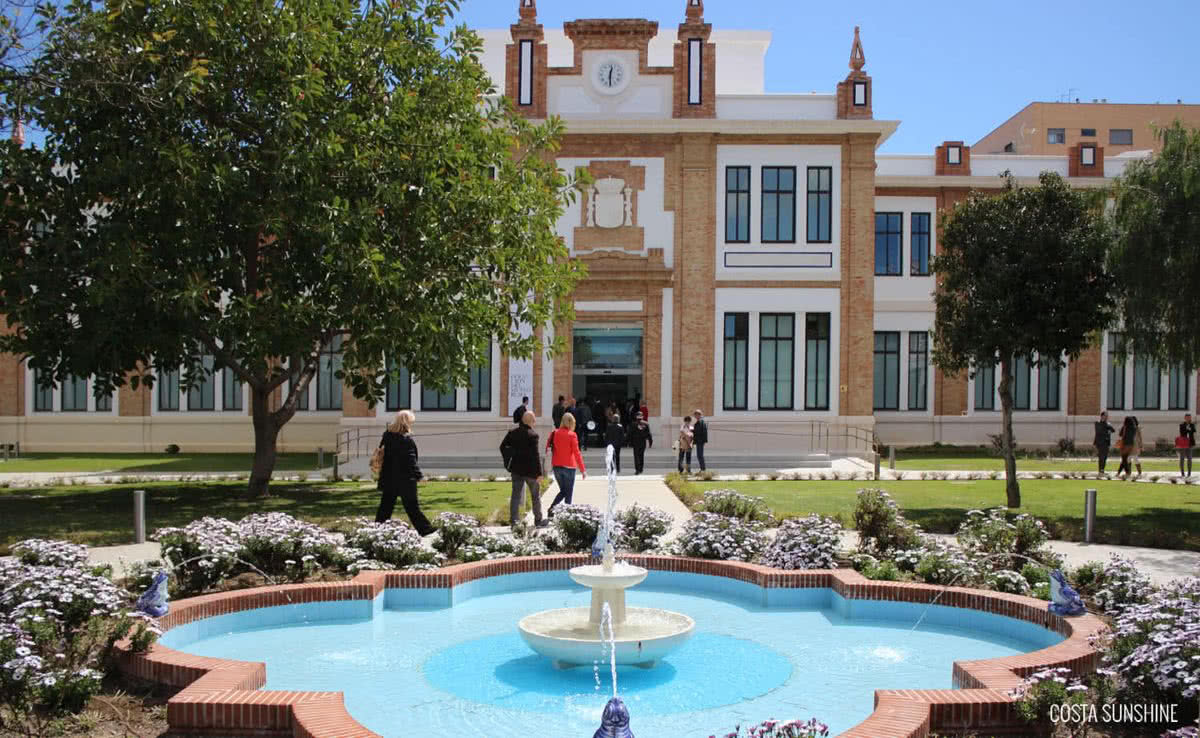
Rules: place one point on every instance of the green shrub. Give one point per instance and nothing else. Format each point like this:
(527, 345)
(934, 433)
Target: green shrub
(733, 504)
(880, 524)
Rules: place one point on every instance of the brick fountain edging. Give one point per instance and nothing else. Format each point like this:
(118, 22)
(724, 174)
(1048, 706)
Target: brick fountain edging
(224, 697)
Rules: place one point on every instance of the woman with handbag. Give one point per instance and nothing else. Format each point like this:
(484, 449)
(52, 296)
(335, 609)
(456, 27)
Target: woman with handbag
(565, 460)
(685, 444)
(1185, 442)
(399, 473)
(1127, 445)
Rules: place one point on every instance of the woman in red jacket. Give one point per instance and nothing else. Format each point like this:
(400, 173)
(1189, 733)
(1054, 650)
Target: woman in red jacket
(565, 458)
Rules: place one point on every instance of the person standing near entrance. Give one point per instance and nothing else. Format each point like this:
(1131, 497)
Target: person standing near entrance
(583, 416)
(1186, 442)
(614, 436)
(700, 437)
(640, 438)
(557, 412)
(685, 444)
(526, 469)
(1103, 439)
(520, 411)
(400, 473)
(565, 459)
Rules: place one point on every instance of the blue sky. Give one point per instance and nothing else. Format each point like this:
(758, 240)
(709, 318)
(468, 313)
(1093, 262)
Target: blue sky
(945, 69)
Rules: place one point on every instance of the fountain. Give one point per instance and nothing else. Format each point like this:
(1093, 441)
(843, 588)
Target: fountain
(640, 635)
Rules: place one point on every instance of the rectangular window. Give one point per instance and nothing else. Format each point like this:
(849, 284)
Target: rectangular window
(737, 340)
(918, 370)
(985, 387)
(888, 236)
(695, 70)
(231, 390)
(1056, 135)
(1087, 156)
(1049, 383)
(74, 395)
(329, 365)
(1020, 382)
(525, 75)
(1116, 372)
(1087, 132)
(776, 355)
(168, 390)
(1178, 389)
(43, 397)
(399, 389)
(860, 94)
(779, 204)
(820, 204)
(954, 155)
(431, 399)
(104, 403)
(202, 393)
(887, 370)
(737, 204)
(1147, 384)
(816, 361)
(919, 244)
(1120, 136)
(479, 392)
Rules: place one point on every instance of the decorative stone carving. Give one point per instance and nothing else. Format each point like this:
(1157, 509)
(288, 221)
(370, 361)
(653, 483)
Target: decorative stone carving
(153, 601)
(611, 204)
(1064, 600)
(614, 723)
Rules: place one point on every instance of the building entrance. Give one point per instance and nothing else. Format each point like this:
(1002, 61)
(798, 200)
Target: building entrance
(607, 362)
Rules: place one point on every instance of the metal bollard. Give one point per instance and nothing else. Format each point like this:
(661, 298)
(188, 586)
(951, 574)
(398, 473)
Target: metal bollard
(335, 467)
(892, 458)
(1089, 514)
(876, 467)
(139, 516)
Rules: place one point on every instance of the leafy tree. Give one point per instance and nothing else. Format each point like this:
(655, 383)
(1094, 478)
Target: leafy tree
(1020, 274)
(251, 181)
(1157, 249)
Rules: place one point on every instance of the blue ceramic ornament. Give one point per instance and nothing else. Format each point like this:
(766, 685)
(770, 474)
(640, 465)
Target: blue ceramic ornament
(615, 721)
(1064, 600)
(153, 601)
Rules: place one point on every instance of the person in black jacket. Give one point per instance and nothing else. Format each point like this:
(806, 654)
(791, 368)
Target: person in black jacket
(1187, 429)
(640, 437)
(400, 472)
(583, 416)
(520, 411)
(526, 469)
(1103, 439)
(614, 436)
(700, 437)
(557, 411)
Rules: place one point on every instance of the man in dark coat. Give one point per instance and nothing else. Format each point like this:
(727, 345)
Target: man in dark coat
(520, 411)
(557, 411)
(640, 438)
(526, 469)
(700, 437)
(614, 435)
(400, 473)
(1103, 439)
(583, 416)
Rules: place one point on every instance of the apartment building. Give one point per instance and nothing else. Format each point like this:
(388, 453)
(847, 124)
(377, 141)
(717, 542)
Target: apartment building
(1048, 129)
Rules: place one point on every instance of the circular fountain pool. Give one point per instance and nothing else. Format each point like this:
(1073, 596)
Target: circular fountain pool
(421, 670)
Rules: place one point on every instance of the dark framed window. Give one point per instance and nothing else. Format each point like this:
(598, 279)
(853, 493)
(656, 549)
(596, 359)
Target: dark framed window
(776, 356)
(1087, 132)
(918, 243)
(860, 94)
(918, 370)
(779, 204)
(329, 365)
(888, 239)
(985, 387)
(1120, 136)
(1116, 372)
(887, 370)
(695, 71)
(1087, 156)
(74, 395)
(104, 403)
(479, 391)
(231, 390)
(737, 342)
(1147, 384)
(816, 361)
(525, 73)
(820, 204)
(431, 399)
(954, 155)
(1179, 389)
(1056, 135)
(202, 395)
(737, 204)
(1021, 375)
(1049, 385)
(43, 396)
(168, 390)
(399, 389)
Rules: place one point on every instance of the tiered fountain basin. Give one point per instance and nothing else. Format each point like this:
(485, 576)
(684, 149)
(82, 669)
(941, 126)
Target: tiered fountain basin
(425, 653)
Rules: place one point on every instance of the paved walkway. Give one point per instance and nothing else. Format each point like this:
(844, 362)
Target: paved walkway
(647, 490)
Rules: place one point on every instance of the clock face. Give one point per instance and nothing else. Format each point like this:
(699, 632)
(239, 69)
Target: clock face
(610, 76)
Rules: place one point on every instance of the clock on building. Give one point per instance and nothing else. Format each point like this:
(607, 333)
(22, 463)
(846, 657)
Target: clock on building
(610, 75)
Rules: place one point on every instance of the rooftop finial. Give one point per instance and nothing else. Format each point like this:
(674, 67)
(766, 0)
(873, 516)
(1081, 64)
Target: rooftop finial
(527, 9)
(857, 58)
(695, 10)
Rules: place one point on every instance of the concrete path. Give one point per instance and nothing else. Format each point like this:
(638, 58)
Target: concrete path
(646, 490)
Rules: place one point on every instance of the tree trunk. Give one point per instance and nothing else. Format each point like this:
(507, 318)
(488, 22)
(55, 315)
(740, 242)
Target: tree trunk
(1010, 454)
(266, 431)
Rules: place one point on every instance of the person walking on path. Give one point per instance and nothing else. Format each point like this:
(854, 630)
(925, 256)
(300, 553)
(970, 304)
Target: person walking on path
(640, 437)
(565, 459)
(1103, 439)
(520, 411)
(583, 416)
(526, 469)
(700, 437)
(556, 413)
(615, 436)
(1186, 442)
(400, 473)
(1128, 440)
(685, 444)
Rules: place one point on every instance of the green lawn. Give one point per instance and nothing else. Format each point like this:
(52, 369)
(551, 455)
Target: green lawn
(145, 463)
(994, 463)
(1156, 515)
(102, 515)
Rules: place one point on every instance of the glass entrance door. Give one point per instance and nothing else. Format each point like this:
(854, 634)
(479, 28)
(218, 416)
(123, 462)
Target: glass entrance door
(607, 362)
